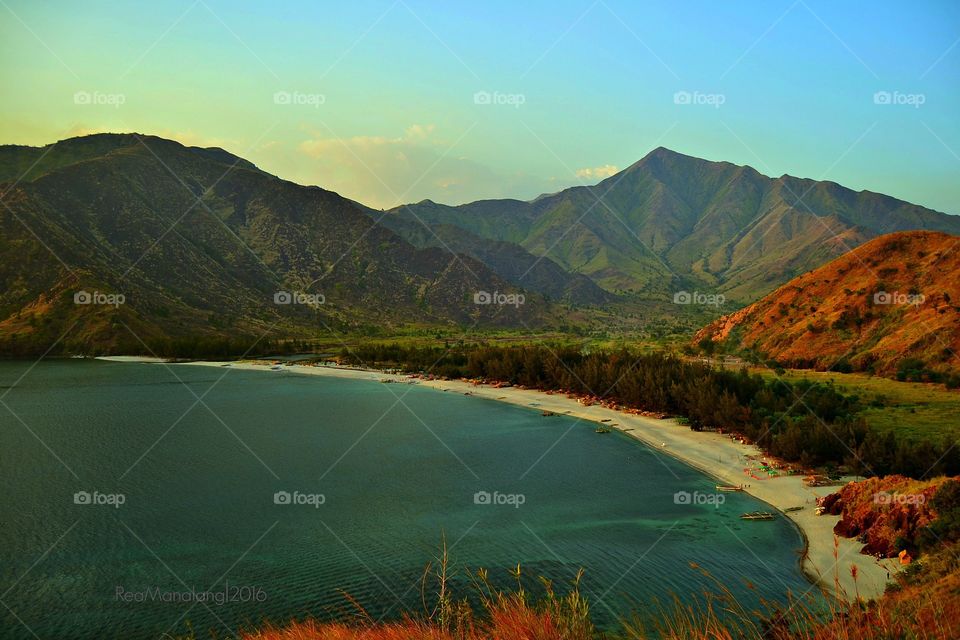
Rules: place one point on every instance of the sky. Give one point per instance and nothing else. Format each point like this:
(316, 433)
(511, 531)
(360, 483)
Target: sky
(398, 101)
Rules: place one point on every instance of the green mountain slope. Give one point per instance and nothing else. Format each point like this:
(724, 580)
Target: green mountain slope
(199, 242)
(671, 221)
(507, 259)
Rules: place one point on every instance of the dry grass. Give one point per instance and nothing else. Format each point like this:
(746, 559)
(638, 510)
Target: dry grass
(924, 605)
(511, 615)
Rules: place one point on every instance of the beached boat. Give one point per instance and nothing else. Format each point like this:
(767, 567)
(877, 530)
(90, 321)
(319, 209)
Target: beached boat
(602, 429)
(758, 515)
(547, 414)
(792, 509)
(729, 487)
(277, 367)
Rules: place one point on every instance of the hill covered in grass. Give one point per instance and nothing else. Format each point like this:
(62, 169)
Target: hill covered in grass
(890, 307)
(162, 242)
(673, 222)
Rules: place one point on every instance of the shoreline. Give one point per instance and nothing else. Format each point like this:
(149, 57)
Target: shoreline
(715, 455)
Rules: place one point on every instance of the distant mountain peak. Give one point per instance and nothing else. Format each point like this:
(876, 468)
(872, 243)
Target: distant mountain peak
(673, 218)
(662, 151)
(662, 157)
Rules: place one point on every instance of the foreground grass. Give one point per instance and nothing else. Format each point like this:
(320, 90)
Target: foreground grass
(923, 605)
(915, 613)
(503, 616)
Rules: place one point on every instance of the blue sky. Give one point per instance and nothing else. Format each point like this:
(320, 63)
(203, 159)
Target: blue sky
(385, 102)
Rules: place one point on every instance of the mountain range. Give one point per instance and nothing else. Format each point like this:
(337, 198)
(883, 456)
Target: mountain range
(198, 241)
(673, 222)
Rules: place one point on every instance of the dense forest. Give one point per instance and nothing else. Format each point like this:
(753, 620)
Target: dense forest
(808, 423)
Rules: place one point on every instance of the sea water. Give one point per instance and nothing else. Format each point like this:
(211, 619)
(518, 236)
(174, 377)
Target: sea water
(143, 499)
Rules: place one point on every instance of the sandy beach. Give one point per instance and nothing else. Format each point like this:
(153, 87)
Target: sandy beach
(714, 454)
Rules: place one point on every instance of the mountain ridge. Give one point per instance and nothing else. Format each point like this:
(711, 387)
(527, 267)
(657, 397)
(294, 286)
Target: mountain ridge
(199, 243)
(163, 219)
(671, 221)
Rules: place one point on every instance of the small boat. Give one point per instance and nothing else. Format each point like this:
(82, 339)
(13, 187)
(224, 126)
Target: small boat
(792, 509)
(729, 487)
(547, 414)
(277, 367)
(602, 429)
(758, 515)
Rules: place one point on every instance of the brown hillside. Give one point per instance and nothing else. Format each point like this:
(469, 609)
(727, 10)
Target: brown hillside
(893, 298)
(883, 512)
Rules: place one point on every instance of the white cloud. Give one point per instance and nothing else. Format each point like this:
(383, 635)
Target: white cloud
(597, 173)
(386, 171)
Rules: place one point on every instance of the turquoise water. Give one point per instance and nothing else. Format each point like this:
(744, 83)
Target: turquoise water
(198, 485)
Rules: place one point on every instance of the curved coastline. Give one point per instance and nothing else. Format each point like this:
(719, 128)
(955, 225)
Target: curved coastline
(825, 559)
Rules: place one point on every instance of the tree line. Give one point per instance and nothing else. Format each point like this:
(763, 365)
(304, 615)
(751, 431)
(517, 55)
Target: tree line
(805, 422)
